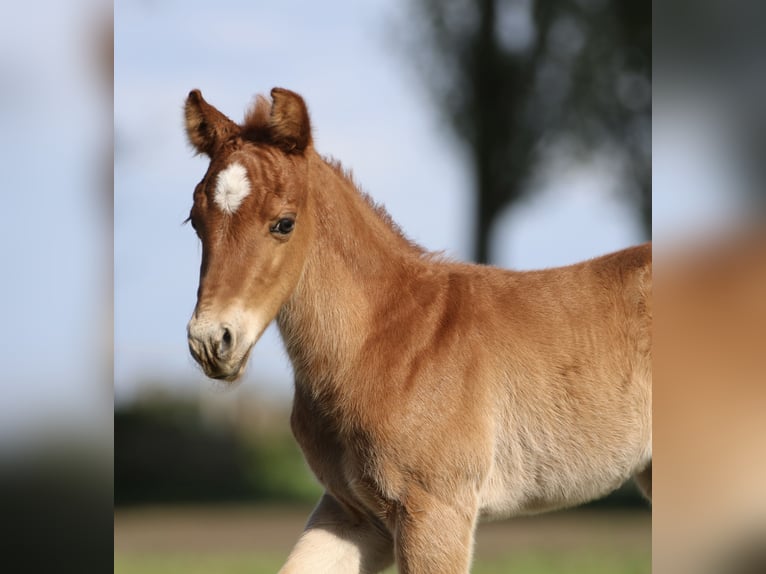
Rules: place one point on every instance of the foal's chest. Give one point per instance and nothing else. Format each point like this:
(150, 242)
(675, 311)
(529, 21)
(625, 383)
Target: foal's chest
(331, 454)
(341, 458)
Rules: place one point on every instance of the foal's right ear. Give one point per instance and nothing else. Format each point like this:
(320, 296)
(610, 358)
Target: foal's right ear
(206, 127)
(289, 122)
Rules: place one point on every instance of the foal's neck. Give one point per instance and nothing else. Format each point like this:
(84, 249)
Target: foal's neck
(350, 226)
(358, 260)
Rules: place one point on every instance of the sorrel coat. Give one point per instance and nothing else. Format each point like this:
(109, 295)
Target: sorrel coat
(428, 393)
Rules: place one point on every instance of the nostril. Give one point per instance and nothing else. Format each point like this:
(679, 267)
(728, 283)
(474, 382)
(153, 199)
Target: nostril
(225, 340)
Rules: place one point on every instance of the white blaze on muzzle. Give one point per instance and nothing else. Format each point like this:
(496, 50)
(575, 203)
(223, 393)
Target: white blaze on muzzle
(231, 187)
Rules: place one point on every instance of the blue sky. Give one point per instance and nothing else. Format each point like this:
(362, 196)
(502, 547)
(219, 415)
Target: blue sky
(56, 229)
(368, 109)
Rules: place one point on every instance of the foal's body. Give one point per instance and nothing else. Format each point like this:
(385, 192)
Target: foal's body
(469, 389)
(429, 393)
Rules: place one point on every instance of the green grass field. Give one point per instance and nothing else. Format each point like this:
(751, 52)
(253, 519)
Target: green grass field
(253, 540)
(518, 563)
(521, 563)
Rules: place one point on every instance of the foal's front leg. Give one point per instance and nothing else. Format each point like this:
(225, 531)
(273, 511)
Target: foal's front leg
(434, 537)
(334, 542)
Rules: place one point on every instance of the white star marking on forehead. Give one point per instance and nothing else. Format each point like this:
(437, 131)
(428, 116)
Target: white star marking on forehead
(231, 187)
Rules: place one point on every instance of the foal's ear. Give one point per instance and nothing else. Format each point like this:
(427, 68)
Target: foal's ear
(289, 122)
(206, 127)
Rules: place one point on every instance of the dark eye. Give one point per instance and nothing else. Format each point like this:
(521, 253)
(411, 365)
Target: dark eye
(284, 226)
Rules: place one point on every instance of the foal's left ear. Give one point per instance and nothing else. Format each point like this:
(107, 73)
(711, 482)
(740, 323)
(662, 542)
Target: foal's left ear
(289, 123)
(206, 127)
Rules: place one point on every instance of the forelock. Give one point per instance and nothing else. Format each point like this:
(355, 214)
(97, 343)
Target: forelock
(257, 120)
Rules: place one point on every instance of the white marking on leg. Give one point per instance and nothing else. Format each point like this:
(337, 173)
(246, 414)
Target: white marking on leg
(232, 186)
(324, 552)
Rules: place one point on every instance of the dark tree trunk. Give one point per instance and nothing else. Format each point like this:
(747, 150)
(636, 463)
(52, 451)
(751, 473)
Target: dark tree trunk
(484, 110)
(484, 217)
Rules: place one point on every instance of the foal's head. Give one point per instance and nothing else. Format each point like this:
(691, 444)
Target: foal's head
(250, 215)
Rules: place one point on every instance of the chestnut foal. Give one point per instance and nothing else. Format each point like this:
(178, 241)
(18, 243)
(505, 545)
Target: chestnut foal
(428, 393)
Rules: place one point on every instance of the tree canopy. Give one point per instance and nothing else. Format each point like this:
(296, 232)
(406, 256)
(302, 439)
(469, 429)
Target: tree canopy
(512, 75)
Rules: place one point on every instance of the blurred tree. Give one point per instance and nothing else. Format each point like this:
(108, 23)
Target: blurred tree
(513, 76)
(167, 451)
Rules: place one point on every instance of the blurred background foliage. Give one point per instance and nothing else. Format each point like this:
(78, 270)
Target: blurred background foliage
(173, 449)
(518, 80)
